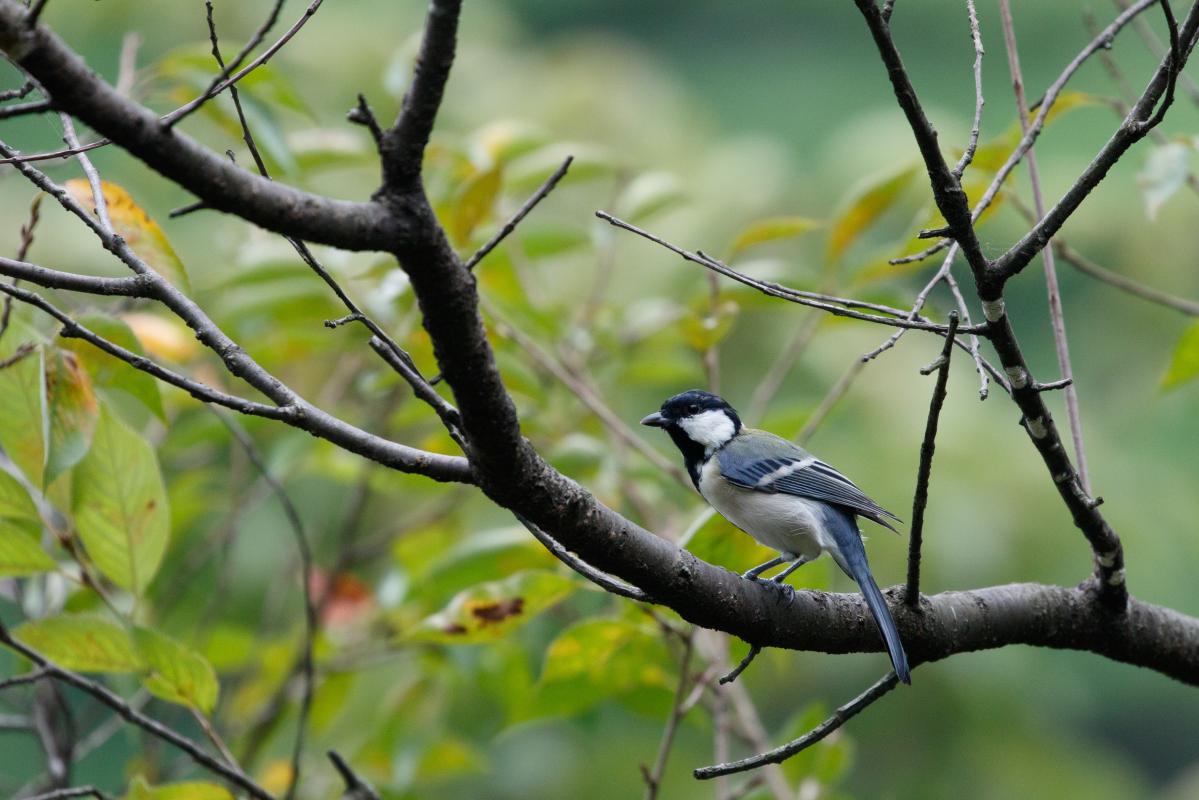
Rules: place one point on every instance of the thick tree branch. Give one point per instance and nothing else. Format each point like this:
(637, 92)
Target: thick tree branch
(1140, 121)
(1057, 317)
(223, 186)
(403, 146)
(947, 187)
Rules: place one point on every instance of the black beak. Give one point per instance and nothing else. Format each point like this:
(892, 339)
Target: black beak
(655, 420)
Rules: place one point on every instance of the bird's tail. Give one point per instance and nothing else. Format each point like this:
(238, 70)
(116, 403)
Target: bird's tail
(852, 559)
(886, 625)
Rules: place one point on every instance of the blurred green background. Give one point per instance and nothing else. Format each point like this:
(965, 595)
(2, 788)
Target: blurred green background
(695, 120)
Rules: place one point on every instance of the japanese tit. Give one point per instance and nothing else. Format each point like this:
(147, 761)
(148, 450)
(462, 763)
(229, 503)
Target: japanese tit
(779, 494)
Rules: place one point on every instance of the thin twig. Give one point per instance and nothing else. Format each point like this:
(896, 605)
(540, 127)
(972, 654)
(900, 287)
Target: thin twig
(1056, 315)
(304, 549)
(1088, 267)
(979, 101)
(521, 213)
(611, 420)
(21, 680)
(381, 342)
(980, 364)
(356, 787)
(780, 754)
(127, 63)
(837, 306)
(226, 78)
(927, 448)
(1097, 44)
(93, 177)
(75, 791)
(27, 230)
(735, 672)
(16, 94)
(601, 579)
(653, 778)
(169, 120)
(148, 724)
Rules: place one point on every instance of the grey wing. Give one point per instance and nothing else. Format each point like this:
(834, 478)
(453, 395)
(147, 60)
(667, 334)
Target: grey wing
(805, 477)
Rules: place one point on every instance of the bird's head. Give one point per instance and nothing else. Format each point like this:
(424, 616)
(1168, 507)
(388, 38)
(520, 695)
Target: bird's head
(699, 417)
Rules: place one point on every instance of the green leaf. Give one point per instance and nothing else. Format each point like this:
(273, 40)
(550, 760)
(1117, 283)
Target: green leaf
(473, 205)
(772, 229)
(20, 527)
(479, 557)
(177, 673)
(1165, 173)
(503, 140)
(133, 224)
(120, 505)
(450, 758)
(112, 373)
(1184, 366)
(82, 642)
(705, 329)
(491, 611)
(139, 789)
(23, 408)
(599, 659)
(864, 209)
(648, 194)
(529, 171)
(73, 412)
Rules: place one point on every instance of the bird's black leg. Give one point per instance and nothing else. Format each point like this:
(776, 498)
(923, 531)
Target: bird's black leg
(758, 570)
(796, 564)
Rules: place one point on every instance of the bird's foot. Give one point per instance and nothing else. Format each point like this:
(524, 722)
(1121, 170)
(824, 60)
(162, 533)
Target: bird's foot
(786, 590)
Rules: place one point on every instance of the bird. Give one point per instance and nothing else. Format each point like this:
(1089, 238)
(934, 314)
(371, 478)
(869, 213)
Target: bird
(781, 495)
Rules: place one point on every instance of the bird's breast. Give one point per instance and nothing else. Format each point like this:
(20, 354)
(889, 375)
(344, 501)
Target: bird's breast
(783, 522)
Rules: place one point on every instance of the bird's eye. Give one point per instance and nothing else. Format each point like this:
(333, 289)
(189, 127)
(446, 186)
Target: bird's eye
(692, 409)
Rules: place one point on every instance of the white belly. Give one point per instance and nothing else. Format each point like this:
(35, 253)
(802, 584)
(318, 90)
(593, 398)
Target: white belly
(783, 522)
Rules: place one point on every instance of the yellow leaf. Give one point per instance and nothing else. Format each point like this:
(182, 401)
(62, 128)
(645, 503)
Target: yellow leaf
(770, 230)
(161, 337)
(473, 204)
(864, 209)
(275, 776)
(132, 224)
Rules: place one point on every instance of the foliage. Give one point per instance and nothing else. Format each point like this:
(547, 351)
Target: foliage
(455, 658)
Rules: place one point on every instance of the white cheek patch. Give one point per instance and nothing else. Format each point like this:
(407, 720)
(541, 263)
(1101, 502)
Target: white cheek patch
(712, 429)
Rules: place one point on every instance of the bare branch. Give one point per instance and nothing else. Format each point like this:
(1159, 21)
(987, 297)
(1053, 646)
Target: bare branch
(21, 680)
(1140, 120)
(152, 726)
(65, 794)
(75, 89)
(308, 667)
(1056, 315)
(224, 79)
(356, 787)
(522, 212)
(927, 448)
(979, 101)
(947, 188)
(781, 754)
(605, 582)
(837, 306)
(653, 778)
